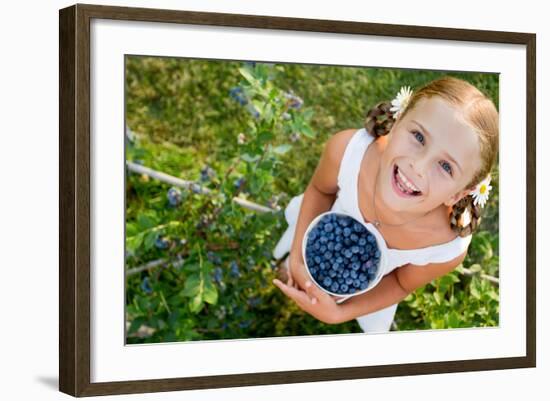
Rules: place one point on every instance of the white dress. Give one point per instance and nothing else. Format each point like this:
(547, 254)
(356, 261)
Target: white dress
(347, 202)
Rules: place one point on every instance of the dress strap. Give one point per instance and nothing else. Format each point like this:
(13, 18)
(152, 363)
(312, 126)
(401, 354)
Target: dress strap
(349, 171)
(353, 154)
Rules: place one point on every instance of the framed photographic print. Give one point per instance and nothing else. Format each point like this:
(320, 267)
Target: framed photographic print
(238, 188)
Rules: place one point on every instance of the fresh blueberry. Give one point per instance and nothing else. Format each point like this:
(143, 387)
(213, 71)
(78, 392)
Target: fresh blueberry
(234, 269)
(238, 182)
(254, 301)
(237, 93)
(162, 243)
(218, 275)
(207, 173)
(245, 323)
(174, 196)
(146, 285)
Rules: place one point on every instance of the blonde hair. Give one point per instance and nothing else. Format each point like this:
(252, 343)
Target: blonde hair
(478, 111)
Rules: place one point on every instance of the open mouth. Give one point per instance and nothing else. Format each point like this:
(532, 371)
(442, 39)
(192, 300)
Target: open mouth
(402, 185)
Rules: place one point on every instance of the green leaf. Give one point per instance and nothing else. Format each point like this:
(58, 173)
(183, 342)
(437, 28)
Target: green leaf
(265, 135)
(306, 130)
(196, 304)
(210, 294)
(308, 113)
(249, 158)
(474, 289)
(133, 243)
(146, 220)
(452, 319)
(282, 149)
(192, 286)
(454, 278)
(131, 229)
(192, 267)
(136, 324)
(144, 304)
(268, 112)
(247, 75)
(259, 106)
(476, 268)
(437, 297)
(149, 240)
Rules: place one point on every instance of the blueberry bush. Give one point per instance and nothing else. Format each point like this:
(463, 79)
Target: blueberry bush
(199, 265)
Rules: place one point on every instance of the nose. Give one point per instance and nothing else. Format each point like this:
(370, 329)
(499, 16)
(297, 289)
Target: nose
(419, 166)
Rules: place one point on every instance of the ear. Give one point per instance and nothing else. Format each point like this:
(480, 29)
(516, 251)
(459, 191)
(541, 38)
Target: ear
(458, 196)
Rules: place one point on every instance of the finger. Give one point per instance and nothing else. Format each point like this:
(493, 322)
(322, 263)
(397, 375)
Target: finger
(290, 281)
(301, 275)
(310, 291)
(315, 293)
(291, 292)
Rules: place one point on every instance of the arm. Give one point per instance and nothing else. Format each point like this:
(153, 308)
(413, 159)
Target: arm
(319, 197)
(395, 286)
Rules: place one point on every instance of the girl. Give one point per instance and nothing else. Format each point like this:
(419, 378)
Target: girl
(419, 171)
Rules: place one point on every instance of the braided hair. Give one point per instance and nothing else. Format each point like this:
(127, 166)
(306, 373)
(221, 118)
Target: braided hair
(465, 216)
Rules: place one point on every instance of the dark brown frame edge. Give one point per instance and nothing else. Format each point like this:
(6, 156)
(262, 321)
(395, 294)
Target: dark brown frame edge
(74, 199)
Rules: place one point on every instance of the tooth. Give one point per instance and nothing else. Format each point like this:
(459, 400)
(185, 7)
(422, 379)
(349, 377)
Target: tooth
(407, 183)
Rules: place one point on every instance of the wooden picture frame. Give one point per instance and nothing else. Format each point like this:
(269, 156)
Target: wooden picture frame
(75, 201)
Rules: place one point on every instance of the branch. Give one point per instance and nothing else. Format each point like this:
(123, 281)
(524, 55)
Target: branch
(491, 279)
(178, 182)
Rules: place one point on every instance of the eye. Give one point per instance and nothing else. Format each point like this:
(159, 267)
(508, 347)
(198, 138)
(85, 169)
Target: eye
(447, 167)
(418, 136)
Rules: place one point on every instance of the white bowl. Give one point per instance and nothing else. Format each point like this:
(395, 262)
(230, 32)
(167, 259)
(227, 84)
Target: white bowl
(381, 247)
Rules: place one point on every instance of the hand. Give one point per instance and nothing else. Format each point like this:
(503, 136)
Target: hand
(314, 301)
(297, 274)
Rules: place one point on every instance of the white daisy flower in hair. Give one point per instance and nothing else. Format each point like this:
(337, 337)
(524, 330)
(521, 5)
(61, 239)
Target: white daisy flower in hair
(481, 192)
(400, 102)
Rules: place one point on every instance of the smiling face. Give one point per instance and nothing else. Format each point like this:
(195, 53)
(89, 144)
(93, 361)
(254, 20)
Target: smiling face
(430, 157)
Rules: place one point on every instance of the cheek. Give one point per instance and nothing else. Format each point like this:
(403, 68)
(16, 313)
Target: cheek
(400, 148)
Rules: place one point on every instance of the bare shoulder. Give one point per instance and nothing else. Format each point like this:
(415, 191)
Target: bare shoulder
(325, 178)
(336, 144)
